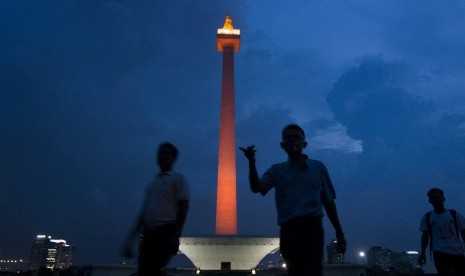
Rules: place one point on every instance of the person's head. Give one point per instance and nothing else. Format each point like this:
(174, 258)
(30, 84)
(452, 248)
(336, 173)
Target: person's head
(166, 155)
(293, 139)
(436, 197)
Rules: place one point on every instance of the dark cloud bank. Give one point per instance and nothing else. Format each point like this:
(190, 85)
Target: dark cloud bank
(405, 152)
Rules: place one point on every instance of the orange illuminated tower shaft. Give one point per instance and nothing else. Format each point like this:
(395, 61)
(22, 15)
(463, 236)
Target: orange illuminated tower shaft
(228, 40)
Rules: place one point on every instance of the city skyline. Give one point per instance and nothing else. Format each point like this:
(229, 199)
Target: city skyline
(88, 89)
(46, 253)
(51, 253)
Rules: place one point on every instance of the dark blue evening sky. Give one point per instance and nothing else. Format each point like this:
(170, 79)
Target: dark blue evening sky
(88, 89)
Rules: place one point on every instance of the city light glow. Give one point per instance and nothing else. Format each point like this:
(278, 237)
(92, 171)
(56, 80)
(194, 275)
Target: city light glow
(58, 241)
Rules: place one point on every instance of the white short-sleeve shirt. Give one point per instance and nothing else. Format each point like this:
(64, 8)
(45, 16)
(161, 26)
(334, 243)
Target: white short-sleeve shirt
(299, 192)
(445, 237)
(162, 197)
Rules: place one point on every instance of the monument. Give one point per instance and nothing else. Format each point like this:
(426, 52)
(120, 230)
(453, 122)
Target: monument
(228, 41)
(226, 250)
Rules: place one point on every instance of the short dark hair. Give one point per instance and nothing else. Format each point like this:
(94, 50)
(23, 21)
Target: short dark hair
(171, 147)
(293, 126)
(435, 190)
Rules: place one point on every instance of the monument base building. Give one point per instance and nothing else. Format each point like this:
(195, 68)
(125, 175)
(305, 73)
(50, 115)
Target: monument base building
(227, 252)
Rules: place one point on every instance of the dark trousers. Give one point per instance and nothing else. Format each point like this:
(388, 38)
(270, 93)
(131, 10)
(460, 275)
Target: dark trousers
(158, 246)
(301, 245)
(449, 265)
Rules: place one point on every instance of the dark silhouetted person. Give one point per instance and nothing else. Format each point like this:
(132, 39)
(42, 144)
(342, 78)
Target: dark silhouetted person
(302, 189)
(162, 216)
(442, 229)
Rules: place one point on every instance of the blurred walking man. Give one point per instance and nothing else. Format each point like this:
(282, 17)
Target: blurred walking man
(162, 216)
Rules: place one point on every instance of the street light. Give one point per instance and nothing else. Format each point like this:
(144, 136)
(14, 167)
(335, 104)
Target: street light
(362, 256)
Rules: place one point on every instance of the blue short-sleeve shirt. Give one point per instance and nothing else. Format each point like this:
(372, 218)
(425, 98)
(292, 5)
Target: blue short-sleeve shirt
(299, 191)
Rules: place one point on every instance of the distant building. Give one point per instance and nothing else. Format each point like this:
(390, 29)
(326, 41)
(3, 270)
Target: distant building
(51, 253)
(386, 260)
(333, 257)
(380, 258)
(406, 262)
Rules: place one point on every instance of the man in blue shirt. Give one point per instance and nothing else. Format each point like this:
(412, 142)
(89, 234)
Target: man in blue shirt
(302, 189)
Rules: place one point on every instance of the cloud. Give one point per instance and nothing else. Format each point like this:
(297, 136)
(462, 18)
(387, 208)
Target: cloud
(89, 88)
(327, 134)
(405, 152)
(371, 102)
(393, 124)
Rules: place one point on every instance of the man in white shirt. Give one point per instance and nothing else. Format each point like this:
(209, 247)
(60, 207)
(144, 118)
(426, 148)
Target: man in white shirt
(162, 216)
(442, 229)
(303, 189)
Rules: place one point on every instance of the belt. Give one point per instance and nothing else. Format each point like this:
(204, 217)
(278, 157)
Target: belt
(303, 220)
(164, 228)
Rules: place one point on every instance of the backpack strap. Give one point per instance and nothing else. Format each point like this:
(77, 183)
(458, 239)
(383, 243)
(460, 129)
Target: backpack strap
(428, 227)
(453, 213)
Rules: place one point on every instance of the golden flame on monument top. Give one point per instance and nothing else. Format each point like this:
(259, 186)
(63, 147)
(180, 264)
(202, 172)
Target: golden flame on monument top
(228, 37)
(228, 28)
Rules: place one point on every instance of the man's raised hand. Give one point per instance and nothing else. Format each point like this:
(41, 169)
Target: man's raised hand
(249, 152)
